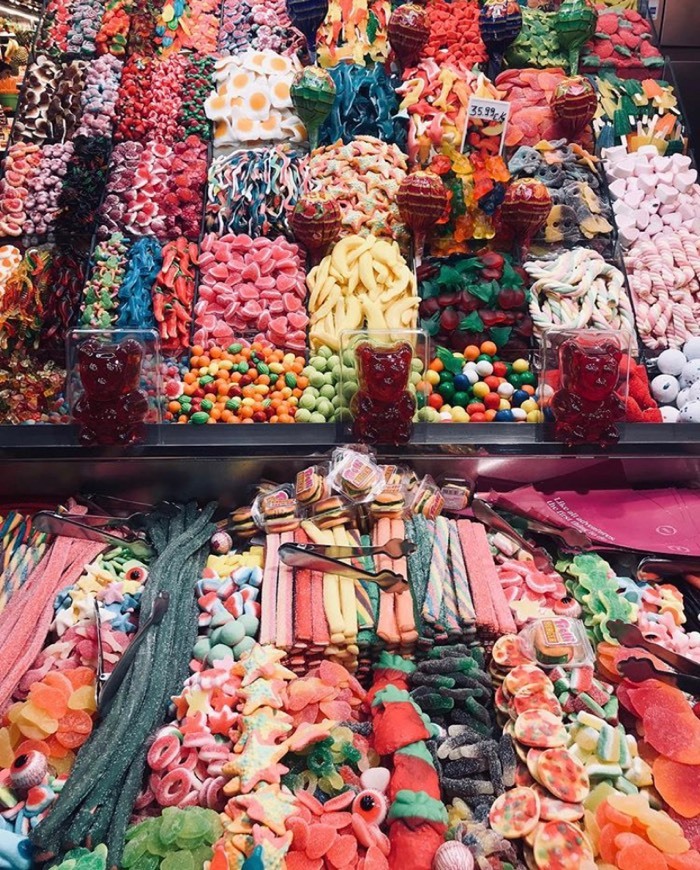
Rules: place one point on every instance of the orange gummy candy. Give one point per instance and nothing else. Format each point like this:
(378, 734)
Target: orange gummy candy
(36, 723)
(34, 746)
(679, 785)
(49, 698)
(80, 677)
(59, 681)
(688, 861)
(606, 841)
(74, 728)
(640, 856)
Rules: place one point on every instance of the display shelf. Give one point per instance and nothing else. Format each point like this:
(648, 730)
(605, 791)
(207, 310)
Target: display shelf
(301, 439)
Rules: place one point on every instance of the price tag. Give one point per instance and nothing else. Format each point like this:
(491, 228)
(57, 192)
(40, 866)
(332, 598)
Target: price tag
(487, 121)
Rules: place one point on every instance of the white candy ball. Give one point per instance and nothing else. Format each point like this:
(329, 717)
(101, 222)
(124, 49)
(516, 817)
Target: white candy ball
(682, 398)
(469, 367)
(671, 362)
(484, 368)
(691, 349)
(690, 373)
(664, 388)
(690, 413)
(518, 414)
(506, 390)
(669, 414)
(694, 393)
(470, 374)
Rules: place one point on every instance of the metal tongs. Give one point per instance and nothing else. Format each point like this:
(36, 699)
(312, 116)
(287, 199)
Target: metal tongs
(653, 569)
(394, 548)
(299, 556)
(686, 675)
(75, 526)
(485, 514)
(108, 684)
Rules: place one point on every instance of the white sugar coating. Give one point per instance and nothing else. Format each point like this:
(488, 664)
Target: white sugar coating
(669, 414)
(664, 388)
(694, 392)
(690, 373)
(671, 362)
(691, 349)
(690, 413)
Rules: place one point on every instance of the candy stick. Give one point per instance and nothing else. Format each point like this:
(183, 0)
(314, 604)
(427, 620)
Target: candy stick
(438, 569)
(303, 604)
(465, 606)
(485, 615)
(284, 637)
(347, 588)
(387, 628)
(403, 603)
(331, 587)
(268, 615)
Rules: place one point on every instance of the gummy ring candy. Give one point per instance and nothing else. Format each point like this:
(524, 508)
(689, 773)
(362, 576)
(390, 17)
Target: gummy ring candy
(174, 787)
(189, 758)
(371, 805)
(164, 750)
(211, 794)
(28, 770)
(515, 813)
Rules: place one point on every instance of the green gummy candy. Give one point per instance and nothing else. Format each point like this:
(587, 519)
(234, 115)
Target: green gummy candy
(247, 643)
(146, 862)
(154, 844)
(171, 824)
(179, 861)
(134, 849)
(232, 633)
(95, 861)
(250, 624)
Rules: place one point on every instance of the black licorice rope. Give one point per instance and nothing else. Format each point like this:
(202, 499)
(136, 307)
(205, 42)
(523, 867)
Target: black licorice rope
(98, 797)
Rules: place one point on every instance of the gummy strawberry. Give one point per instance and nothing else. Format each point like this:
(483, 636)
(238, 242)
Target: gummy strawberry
(511, 298)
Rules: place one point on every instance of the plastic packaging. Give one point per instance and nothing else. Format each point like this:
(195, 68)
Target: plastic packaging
(556, 641)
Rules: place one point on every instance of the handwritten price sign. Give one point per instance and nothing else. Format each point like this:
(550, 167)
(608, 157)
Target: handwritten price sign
(485, 129)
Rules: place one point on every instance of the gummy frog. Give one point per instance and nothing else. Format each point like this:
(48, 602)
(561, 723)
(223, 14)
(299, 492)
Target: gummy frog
(383, 408)
(112, 408)
(586, 406)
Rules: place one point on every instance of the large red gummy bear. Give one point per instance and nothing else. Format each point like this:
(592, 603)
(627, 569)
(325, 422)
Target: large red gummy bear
(383, 408)
(112, 408)
(586, 407)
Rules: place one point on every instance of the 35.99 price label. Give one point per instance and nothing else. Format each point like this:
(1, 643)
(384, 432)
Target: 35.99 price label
(486, 125)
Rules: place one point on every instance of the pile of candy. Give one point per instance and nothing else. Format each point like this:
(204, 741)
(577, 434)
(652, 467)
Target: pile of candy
(623, 40)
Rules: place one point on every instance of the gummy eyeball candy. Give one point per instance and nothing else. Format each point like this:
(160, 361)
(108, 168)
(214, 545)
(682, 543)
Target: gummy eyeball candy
(28, 770)
(664, 388)
(371, 805)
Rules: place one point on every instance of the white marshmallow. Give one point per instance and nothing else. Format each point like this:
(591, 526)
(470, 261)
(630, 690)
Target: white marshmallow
(666, 194)
(618, 188)
(642, 219)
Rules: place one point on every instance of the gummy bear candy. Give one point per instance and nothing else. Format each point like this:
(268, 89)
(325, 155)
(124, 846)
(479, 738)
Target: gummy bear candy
(587, 407)
(112, 408)
(383, 408)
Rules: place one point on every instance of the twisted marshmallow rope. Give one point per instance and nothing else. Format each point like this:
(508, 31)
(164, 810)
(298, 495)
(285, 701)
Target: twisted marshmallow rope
(577, 290)
(664, 277)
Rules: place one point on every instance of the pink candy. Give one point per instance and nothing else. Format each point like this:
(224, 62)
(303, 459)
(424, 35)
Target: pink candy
(522, 582)
(251, 285)
(21, 164)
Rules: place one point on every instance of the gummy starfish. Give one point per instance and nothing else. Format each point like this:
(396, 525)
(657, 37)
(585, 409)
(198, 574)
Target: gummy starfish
(262, 693)
(268, 725)
(274, 849)
(264, 662)
(259, 762)
(271, 806)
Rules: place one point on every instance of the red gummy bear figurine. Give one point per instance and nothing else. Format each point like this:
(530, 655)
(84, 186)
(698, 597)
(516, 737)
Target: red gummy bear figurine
(112, 408)
(383, 408)
(586, 407)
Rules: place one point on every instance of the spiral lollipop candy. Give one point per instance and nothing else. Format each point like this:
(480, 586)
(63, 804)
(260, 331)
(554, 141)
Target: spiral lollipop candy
(408, 32)
(525, 209)
(307, 16)
(316, 222)
(500, 22)
(313, 94)
(574, 103)
(575, 25)
(422, 200)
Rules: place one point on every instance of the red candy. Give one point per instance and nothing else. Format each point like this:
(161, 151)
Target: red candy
(251, 285)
